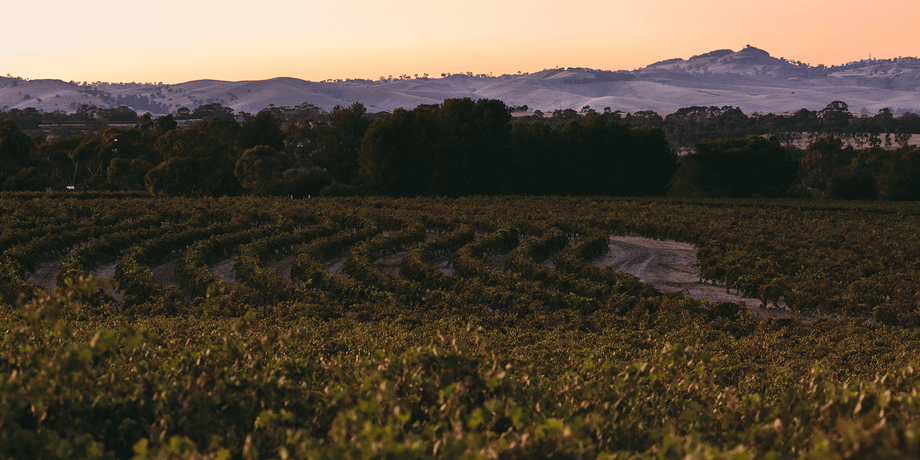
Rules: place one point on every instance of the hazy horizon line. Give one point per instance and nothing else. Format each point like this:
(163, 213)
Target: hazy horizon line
(419, 76)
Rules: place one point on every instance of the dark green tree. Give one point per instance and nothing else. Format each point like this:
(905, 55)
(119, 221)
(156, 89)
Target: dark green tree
(735, 168)
(643, 118)
(259, 168)
(197, 161)
(600, 156)
(261, 129)
(396, 154)
(164, 124)
(851, 183)
(900, 177)
(336, 143)
(836, 117)
(15, 146)
(177, 176)
(533, 159)
(144, 123)
(27, 118)
(456, 148)
(127, 174)
(822, 157)
(121, 114)
(213, 110)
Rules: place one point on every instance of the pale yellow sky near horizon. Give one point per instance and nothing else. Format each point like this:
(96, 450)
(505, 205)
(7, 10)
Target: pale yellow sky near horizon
(176, 41)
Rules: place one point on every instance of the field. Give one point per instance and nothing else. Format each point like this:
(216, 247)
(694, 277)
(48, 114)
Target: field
(455, 328)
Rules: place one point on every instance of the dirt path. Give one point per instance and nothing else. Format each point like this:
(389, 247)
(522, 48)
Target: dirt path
(668, 265)
(45, 275)
(336, 266)
(444, 266)
(166, 273)
(497, 261)
(283, 266)
(224, 269)
(390, 263)
(107, 270)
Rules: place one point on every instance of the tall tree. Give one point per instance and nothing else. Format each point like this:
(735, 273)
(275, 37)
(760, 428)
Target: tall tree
(836, 117)
(822, 157)
(197, 161)
(261, 129)
(213, 110)
(259, 167)
(15, 146)
(735, 168)
(339, 142)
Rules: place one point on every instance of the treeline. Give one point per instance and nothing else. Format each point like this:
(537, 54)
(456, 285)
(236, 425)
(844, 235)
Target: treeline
(684, 128)
(460, 147)
(464, 147)
(467, 147)
(690, 125)
(90, 117)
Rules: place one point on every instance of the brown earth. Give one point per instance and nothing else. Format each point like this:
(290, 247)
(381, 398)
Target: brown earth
(166, 273)
(336, 266)
(496, 261)
(283, 266)
(107, 270)
(45, 274)
(390, 263)
(224, 269)
(669, 266)
(444, 266)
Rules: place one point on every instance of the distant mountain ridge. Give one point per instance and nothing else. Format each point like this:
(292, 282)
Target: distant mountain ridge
(750, 79)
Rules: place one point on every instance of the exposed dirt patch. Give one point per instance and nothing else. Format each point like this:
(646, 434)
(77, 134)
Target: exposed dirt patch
(390, 264)
(668, 265)
(336, 266)
(497, 261)
(166, 273)
(45, 274)
(224, 269)
(283, 266)
(106, 270)
(442, 263)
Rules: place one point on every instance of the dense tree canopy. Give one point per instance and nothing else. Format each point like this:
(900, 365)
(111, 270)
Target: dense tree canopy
(735, 168)
(464, 147)
(259, 167)
(14, 149)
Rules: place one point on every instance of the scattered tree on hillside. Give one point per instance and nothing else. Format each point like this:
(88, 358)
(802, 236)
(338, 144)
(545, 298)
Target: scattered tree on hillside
(212, 110)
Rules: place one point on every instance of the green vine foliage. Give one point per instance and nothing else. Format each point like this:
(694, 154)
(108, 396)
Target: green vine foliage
(528, 360)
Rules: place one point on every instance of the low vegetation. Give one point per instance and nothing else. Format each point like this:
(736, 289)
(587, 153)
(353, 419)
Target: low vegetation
(571, 362)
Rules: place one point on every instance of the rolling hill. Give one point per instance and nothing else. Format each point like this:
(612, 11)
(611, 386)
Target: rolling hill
(750, 79)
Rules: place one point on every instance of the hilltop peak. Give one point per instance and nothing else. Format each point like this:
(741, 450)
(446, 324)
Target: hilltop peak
(750, 79)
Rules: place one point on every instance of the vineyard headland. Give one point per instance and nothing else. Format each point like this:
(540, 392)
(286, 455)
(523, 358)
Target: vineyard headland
(457, 328)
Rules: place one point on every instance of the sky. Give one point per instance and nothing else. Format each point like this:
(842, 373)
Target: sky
(175, 41)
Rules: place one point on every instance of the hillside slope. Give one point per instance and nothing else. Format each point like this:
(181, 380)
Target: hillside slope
(751, 79)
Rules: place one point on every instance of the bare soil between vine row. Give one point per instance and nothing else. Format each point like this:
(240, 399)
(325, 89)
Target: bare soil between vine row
(669, 266)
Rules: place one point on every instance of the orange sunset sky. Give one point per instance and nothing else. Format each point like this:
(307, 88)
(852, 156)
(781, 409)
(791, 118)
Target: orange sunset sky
(176, 41)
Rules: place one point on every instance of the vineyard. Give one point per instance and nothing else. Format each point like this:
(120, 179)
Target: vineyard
(478, 327)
